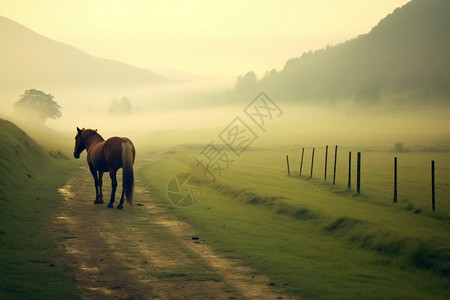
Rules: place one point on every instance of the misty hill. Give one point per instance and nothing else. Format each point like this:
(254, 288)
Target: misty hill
(29, 59)
(406, 57)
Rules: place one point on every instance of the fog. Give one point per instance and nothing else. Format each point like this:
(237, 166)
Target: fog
(181, 105)
(368, 89)
(197, 111)
(237, 90)
(176, 121)
(228, 37)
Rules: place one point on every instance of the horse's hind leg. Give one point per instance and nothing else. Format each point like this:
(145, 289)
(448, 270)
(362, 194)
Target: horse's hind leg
(112, 174)
(120, 206)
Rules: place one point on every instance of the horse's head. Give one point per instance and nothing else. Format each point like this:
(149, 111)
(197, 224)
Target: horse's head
(79, 143)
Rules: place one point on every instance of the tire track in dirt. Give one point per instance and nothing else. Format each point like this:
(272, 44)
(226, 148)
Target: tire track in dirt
(143, 252)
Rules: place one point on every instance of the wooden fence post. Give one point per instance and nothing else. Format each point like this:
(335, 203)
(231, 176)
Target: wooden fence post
(312, 162)
(326, 162)
(433, 195)
(395, 179)
(287, 161)
(358, 174)
(349, 184)
(335, 160)
(301, 162)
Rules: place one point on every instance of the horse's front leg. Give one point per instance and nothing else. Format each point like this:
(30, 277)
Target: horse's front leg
(100, 184)
(112, 174)
(96, 182)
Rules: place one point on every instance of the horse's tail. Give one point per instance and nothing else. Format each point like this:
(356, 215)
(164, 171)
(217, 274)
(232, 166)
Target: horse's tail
(127, 166)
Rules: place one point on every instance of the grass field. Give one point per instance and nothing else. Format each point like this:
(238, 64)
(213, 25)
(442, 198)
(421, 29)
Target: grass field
(312, 238)
(377, 175)
(320, 240)
(29, 180)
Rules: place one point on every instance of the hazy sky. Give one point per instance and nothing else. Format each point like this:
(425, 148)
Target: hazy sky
(201, 36)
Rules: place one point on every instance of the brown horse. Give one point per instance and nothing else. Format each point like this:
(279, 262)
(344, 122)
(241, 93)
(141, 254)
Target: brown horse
(107, 156)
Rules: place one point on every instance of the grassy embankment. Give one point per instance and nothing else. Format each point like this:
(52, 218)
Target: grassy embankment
(316, 239)
(30, 176)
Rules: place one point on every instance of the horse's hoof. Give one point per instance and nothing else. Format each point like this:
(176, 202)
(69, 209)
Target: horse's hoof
(119, 206)
(98, 202)
(110, 205)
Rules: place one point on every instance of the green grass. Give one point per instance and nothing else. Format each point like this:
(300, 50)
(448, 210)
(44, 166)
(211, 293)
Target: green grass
(312, 238)
(315, 239)
(29, 179)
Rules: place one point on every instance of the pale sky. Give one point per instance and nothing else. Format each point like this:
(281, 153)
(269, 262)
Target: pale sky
(204, 37)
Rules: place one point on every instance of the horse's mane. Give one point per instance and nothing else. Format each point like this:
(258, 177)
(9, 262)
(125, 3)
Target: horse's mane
(88, 133)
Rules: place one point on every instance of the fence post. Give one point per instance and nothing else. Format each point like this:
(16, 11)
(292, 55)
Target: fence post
(433, 195)
(335, 160)
(312, 162)
(326, 162)
(349, 184)
(395, 179)
(287, 161)
(358, 174)
(301, 162)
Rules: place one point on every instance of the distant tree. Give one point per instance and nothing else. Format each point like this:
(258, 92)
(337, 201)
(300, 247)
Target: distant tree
(120, 106)
(247, 81)
(307, 54)
(37, 106)
(400, 148)
(271, 73)
(367, 96)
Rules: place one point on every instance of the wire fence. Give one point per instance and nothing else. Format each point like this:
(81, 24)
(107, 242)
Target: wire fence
(418, 180)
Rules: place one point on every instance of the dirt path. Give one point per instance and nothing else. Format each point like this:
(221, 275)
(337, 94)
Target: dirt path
(143, 252)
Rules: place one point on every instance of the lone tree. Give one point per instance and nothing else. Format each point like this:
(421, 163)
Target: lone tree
(37, 106)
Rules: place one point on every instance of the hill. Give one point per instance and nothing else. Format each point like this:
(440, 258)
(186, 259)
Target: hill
(403, 58)
(20, 156)
(31, 60)
(29, 182)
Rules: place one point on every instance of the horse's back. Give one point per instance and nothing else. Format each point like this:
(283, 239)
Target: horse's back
(113, 151)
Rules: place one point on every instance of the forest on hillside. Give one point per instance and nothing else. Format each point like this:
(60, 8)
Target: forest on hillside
(404, 59)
